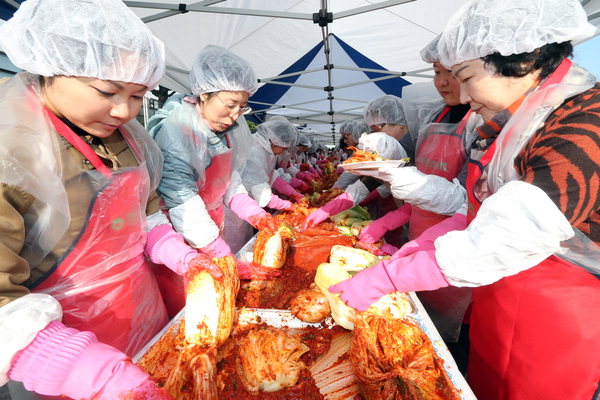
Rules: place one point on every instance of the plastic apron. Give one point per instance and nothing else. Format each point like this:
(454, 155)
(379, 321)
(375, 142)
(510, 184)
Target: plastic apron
(441, 152)
(116, 298)
(212, 192)
(533, 335)
(216, 182)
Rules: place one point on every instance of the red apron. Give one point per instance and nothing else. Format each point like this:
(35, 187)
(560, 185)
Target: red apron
(534, 335)
(440, 152)
(103, 282)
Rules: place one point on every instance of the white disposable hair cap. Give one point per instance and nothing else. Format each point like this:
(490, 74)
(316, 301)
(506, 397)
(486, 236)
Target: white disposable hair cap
(217, 68)
(484, 27)
(383, 144)
(429, 53)
(304, 140)
(280, 132)
(355, 128)
(100, 39)
(385, 110)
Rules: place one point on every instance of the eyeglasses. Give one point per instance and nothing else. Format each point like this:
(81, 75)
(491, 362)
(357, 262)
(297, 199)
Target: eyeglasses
(234, 108)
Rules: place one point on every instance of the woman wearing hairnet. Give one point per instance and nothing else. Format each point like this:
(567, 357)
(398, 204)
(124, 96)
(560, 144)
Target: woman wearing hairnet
(441, 149)
(528, 244)
(78, 297)
(380, 142)
(386, 114)
(259, 175)
(205, 141)
(351, 130)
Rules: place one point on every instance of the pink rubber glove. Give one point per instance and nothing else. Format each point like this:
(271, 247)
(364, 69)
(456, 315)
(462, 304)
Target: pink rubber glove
(425, 240)
(68, 362)
(342, 202)
(300, 185)
(417, 271)
(394, 219)
(306, 176)
(286, 189)
(165, 246)
(217, 249)
(246, 207)
(412, 268)
(314, 172)
(388, 249)
(372, 197)
(278, 203)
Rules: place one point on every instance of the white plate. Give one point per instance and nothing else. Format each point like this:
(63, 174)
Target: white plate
(370, 168)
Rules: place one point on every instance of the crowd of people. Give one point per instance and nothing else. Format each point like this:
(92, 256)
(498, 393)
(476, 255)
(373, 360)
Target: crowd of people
(101, 217)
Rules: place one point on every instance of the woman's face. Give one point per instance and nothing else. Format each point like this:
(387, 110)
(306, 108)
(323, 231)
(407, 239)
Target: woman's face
(349, 140)
(446, 85)
(394, 130)
(486, 92)
(223, 108)
(277, 149)
(97, 106)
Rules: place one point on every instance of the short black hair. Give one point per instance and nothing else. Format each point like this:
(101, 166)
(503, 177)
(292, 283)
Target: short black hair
(546, 58)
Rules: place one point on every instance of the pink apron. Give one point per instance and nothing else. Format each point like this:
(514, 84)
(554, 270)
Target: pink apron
(116, 298)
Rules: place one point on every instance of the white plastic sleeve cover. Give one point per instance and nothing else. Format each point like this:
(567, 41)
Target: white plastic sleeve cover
(261, 193)
(158, 218)
(235, 187)
(283, 175)
(293, 170)
(192, 221)
(515, 229)
(20, 322)
(438, 195)
(384, 191)
(358, 191)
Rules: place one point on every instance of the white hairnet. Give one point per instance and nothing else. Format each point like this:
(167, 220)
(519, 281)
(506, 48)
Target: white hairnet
(304, 140)
(217, 69)
(383, 144)
(430, 53)
(385, 110)
(355, 128)
(484, 27)
(100, 39)
(279, 132)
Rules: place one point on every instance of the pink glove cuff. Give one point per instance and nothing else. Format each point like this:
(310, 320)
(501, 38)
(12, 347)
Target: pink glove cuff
(165, 246)
(278, 203)
(418, 271)
(245, 207)
(217, 249)
(295, 183)
(342, 202)
(46, 363)
(398, 217)
(388, 249)
(284, 188)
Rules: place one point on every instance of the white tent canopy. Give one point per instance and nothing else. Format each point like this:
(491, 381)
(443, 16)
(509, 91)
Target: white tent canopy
(273, 34)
